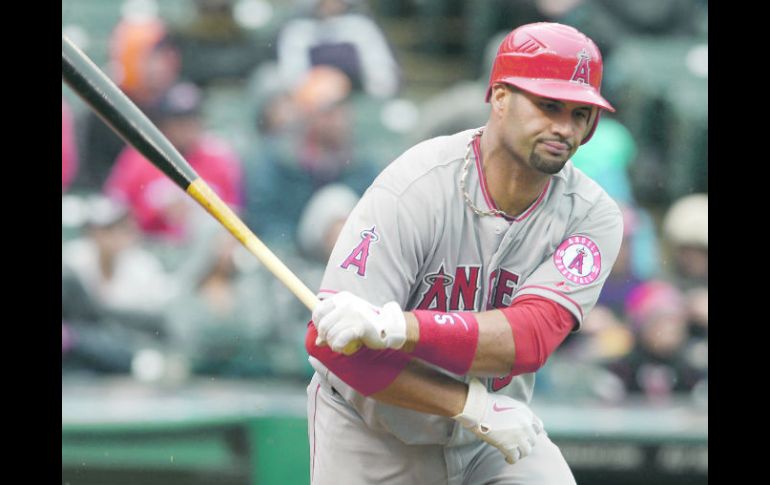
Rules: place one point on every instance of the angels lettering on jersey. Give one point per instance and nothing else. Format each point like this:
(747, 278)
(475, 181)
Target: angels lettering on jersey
(458, 291)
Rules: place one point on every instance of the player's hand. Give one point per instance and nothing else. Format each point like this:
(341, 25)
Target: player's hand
(505, 423)
(345, 318)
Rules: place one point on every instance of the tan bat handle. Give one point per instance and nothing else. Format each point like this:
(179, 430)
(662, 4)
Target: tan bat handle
(202, 193)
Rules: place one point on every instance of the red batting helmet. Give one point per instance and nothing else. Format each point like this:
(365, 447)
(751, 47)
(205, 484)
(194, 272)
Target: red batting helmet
(551, 60)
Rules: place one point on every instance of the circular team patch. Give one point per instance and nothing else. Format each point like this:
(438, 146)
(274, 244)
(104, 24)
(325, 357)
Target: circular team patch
(578, 259)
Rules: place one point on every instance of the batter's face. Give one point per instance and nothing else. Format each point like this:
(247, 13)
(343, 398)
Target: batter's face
(541, 132)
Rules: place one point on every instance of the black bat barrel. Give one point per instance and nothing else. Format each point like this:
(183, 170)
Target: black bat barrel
(121, 114)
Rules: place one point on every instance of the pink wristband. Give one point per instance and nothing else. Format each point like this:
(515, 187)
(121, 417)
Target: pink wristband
(448, 340)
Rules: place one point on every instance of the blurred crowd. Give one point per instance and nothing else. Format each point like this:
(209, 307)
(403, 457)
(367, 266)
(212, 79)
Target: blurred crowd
(154, 288)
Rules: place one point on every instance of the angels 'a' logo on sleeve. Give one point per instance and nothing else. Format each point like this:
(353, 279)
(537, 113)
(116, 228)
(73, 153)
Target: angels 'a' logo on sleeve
(578, 259)
(360, 253)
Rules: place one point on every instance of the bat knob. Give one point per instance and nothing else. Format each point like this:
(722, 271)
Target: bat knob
(352, 347)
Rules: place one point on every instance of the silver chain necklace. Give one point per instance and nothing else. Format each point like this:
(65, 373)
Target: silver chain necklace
(466, 196)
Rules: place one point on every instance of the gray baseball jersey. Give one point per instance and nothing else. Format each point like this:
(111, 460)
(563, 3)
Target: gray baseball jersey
(413, 239)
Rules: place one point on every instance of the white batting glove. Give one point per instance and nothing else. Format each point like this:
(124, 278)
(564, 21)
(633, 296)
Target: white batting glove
(346, 318)
(505, 423)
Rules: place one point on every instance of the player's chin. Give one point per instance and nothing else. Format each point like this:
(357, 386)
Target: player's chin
(549, 164)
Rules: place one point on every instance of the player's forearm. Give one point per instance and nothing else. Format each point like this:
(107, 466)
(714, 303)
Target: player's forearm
(507, 342)
(423, 389)
(392, 377)
(510, 341)
(495, 351)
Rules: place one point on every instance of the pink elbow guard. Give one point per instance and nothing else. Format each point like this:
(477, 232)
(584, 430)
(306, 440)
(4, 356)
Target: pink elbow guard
(367, 371)
(448, 340)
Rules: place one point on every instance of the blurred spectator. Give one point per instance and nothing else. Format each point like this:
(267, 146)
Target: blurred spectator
(272, 105)
(98, 340)
(457, 107)
(658, 366)
(322, 220)
(608, 337)
(333, 33)
(69, 155)
(144, 63)
(567, 379)
(607, 158)
(112, 292)
(226, 320)
(312, 148)
(685, 228)
(162, 209)
(319, 225)
(214, 46)
(91, 341)
(111, 264)
(144, 59)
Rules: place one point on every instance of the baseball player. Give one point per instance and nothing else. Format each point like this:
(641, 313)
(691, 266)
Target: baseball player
(465, 264)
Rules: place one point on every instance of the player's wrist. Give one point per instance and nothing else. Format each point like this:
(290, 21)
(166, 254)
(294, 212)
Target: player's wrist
(412, 332)
(392, 325)
(448, 340)
(475, 405)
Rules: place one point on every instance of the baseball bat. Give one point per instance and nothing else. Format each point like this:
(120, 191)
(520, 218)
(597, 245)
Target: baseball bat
(127, 120)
